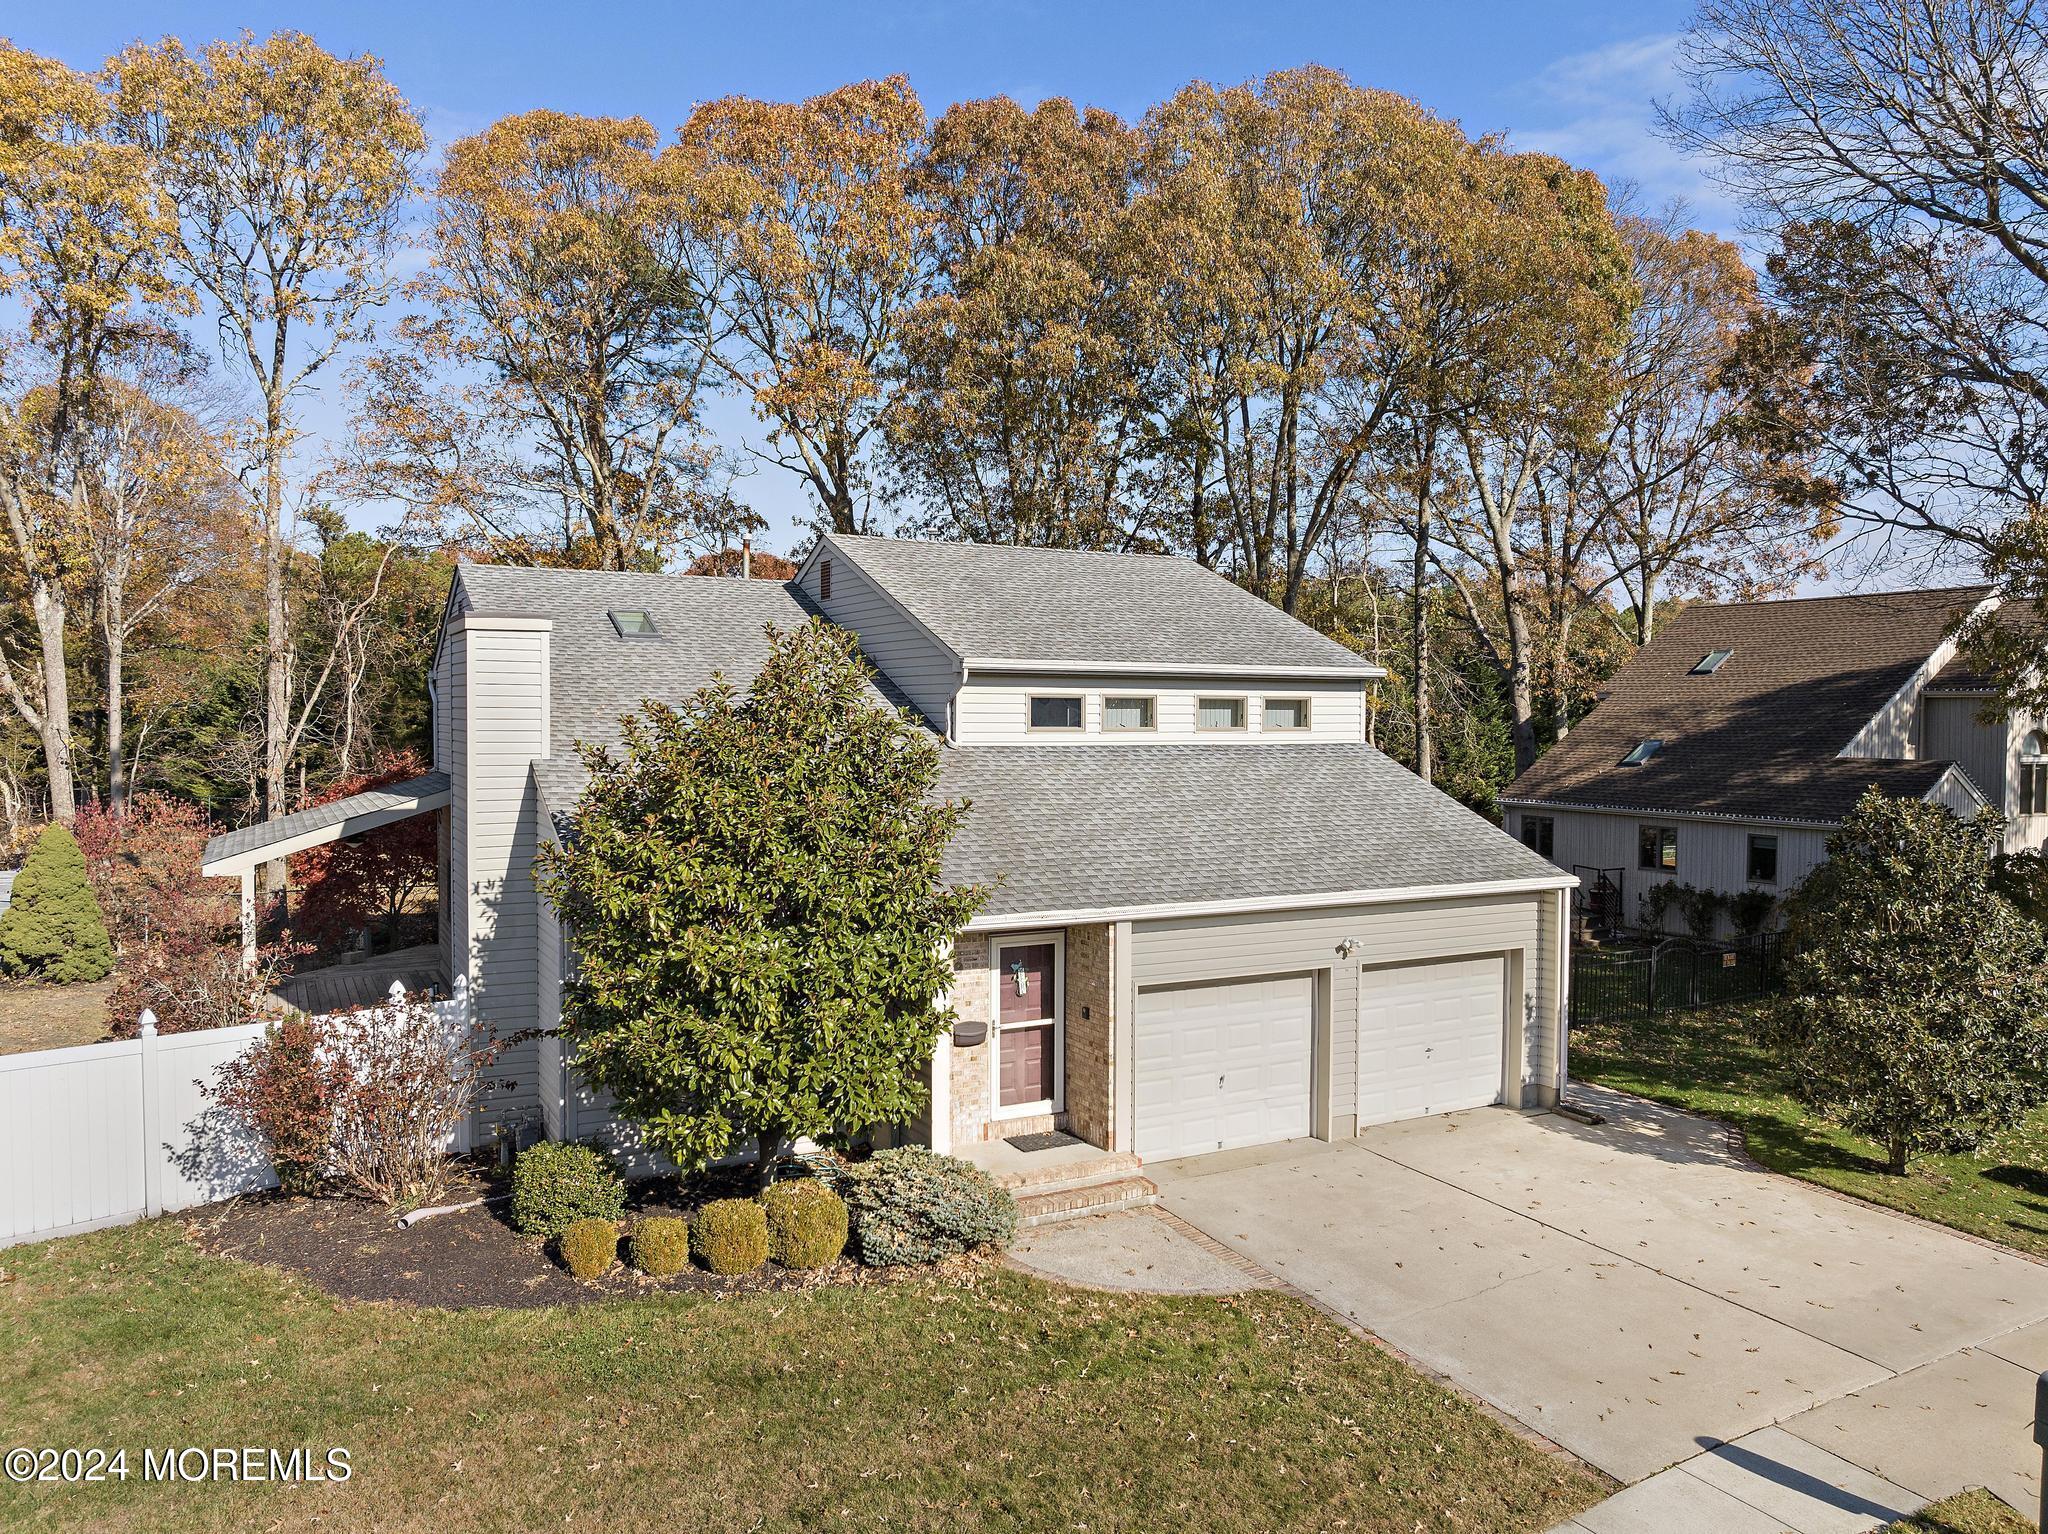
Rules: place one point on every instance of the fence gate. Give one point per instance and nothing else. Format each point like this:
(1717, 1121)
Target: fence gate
(1675, 975)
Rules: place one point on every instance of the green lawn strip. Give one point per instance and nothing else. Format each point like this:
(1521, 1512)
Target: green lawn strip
(1967, 1512)
(990, 1402)
(1705, 1061)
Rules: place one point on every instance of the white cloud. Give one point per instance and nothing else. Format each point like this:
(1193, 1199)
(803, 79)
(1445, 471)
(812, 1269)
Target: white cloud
(1599, 109)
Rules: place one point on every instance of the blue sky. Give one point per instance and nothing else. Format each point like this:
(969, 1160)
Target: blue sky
(1577, 79)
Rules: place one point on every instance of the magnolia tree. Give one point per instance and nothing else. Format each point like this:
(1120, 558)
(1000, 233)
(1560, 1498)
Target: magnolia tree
(1916, 1003)
(760, 920)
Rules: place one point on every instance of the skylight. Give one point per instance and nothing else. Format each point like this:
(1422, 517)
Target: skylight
(633, 623)
(1711, 662)
(1642, 753)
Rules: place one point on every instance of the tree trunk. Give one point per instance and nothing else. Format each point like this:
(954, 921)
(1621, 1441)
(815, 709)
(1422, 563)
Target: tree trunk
(772, 1143)
(46, 600)
(1418, 638)
(277, 634)
(1521, 681)
(1896, 1156)
(117, 754)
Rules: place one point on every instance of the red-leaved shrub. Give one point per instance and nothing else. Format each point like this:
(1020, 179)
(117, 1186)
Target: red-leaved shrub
(283, 1088)
(349, 886)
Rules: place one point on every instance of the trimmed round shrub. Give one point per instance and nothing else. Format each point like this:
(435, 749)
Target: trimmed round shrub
(660, 1246)
(588, 1248)
(557, 1182)
(806, 1223)
(730, 1235)
(53, 931)
(913, 1205)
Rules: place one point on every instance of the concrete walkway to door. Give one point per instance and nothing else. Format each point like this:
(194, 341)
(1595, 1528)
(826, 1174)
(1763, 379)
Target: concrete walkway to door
(1641, 1296)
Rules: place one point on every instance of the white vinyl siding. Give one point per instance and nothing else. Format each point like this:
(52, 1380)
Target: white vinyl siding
(1953, 733)
(505, 729)
(995, 707)
(1712, 854)
(1522, 929)
(924, 670)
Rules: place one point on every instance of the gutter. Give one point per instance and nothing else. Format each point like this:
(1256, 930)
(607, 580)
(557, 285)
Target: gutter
(1362, 672)
(1168, 910)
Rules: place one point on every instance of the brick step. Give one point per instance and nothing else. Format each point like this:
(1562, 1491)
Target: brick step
(1051, 1168)
(1100, 1197)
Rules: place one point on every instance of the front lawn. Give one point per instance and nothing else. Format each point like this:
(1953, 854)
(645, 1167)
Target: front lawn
(981, 1400)
(38, 1016)
(1704, 1061)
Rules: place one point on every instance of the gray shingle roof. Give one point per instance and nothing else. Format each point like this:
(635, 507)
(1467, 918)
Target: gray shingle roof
(1756, 739)
(706, 626)
(1064, 828)
(272, 833)
(1071, 607)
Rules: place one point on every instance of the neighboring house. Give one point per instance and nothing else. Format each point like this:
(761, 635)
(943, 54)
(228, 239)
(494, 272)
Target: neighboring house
(1728, 749)
(1219, 918)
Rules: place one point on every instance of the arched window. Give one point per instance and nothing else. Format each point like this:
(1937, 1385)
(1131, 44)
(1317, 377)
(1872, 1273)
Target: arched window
(2034, 773)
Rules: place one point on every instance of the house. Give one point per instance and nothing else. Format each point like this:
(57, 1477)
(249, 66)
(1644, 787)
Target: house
(1728, 749)
(1219, 918)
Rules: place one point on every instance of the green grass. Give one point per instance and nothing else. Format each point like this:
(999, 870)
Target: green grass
(1705, 1061)
(1969, 1512)
(979, 1401)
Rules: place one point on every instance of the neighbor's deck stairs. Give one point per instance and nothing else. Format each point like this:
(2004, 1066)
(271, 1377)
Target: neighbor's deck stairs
(1107, 1181)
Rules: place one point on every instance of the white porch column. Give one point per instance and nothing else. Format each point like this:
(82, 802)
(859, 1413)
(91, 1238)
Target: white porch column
(248, 918)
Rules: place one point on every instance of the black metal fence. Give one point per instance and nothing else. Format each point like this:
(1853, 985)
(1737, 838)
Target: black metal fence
(1676, 974)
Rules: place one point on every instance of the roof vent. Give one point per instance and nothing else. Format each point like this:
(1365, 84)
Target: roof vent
(824, 580)
(1642, 753)
(633, 623)
(1711, 662)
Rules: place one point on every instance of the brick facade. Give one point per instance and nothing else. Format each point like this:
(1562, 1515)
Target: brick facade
(1090, 1036)
(1087, 1040)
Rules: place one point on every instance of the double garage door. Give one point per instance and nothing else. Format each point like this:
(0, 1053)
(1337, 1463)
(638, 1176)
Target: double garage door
(1232, 1064)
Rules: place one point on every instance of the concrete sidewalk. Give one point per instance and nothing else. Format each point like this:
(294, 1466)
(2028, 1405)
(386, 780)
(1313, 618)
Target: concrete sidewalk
(1641, 1296)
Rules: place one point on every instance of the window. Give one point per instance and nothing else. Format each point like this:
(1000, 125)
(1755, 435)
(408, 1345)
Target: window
(1127, 713)
(1286, 714)
(1657, 848)
(1763, 860)
(1642, 753)
(1711, 662)
(1219, 713)
(631, 623)
(1055, 713)
(824, 580)
(2034, 774)
(1539, 834)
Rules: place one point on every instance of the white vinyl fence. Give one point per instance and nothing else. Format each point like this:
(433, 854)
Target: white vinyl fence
(103, 1134)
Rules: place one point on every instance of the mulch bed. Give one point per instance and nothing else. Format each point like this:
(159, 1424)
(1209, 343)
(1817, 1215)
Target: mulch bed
(357, 1251)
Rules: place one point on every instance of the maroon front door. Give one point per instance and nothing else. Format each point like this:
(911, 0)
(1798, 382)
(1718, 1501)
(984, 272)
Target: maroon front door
(1027, 987)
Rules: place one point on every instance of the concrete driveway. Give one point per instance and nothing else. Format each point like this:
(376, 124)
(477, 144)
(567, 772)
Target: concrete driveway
(1635, 1293)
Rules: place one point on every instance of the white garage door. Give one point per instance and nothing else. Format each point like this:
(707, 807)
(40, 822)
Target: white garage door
(1223, 1065)
(1429, 1038)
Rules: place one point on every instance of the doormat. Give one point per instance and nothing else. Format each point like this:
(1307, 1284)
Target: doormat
(1051, 1139)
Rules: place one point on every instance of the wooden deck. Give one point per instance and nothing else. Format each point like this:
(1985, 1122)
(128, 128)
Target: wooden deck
(364, 983)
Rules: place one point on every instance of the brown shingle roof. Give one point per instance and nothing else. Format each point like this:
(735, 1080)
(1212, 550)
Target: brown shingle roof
(1758, 738)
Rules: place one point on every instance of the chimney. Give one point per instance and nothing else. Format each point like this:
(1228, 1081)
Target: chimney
(746, 559)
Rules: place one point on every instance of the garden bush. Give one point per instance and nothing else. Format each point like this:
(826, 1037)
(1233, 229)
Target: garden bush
(556, 1183)
(914, 1205)
(283, 1089)
(589, 1247)
(806, 1223)
(730, 1235)
(53, 930)
(660, 1246)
